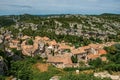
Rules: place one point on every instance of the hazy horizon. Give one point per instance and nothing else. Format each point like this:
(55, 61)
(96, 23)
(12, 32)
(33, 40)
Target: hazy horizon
(46, 7)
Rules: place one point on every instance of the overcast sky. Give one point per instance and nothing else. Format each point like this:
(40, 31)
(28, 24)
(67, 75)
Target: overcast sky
(59, 6)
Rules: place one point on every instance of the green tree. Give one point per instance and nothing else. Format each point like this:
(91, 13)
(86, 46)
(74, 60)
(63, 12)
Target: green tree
(74, 59)
(96, 63)
(30, 42)
(21, 70)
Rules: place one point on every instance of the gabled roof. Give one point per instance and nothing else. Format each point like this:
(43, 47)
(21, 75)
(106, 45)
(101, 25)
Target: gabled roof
(102, 51)
(53, 42)
(25, 37)
(46, 38)
(78, 51)
(93, 56)
(95, 46)
(8, 37)
(64, 46)
(65, 59)
(38, 38)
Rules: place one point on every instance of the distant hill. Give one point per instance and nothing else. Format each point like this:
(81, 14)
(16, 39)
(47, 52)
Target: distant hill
(110, 14)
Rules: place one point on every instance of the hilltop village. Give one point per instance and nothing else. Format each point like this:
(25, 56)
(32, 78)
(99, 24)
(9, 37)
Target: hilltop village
(60, 47)
(58, 54)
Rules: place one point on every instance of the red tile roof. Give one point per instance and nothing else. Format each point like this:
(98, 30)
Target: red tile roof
(78, 51)
(53, 42)
(15, 41)
(64, 46)
(93, 56)
(101, 52)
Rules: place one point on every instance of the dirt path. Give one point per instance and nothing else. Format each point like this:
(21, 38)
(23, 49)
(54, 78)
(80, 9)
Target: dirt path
(41, 66)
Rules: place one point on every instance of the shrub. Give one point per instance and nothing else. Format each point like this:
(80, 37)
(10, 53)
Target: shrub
(74, 59)
(2, 77)
(112, 67)
(30, 42)
(96, 63)
(79, 68)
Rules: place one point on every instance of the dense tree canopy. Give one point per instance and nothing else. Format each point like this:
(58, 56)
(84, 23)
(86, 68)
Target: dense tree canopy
(113, 57)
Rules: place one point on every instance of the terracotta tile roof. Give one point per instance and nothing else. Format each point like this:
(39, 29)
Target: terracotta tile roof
(28, 49)
(93, 56)
(14, 44)
(65, 59)
(64, 46)
(25, 37)
(35, 46)
(84, 47)
(15, 41)
(95, 46)
(8, 37)
(38, 38)
(23, 43)
(102, 51)
(53, 42)
(46, 38)
(54, 59)
(78, 51)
